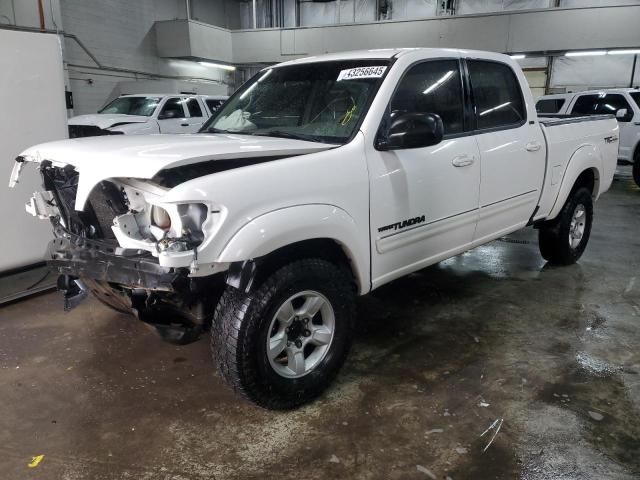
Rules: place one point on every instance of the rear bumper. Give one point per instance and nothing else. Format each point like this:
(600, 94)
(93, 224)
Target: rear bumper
(76, 256)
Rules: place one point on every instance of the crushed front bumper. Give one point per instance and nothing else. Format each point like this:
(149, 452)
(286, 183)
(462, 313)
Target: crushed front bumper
(76, 256)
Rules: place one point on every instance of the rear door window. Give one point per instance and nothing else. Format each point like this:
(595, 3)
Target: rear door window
(194, 108)
(497, 97)
(602, 104)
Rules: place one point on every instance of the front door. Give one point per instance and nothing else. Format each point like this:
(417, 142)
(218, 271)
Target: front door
(424, 200)
(173, 116)
(512, 150)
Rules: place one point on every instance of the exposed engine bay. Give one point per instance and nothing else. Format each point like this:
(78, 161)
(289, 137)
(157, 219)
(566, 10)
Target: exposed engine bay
(129, 249)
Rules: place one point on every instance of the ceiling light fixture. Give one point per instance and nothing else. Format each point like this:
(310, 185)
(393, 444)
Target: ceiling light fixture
(624, 52)
(588, 53)
(230, 68)
(519, 56)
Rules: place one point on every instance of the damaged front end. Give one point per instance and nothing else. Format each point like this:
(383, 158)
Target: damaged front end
(133, 252)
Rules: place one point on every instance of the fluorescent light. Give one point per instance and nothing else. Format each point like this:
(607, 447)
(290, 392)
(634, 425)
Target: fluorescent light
(518, 57)
(624, 52)
(231, 68)
(586, 53)
(482, 114)
(444, 78)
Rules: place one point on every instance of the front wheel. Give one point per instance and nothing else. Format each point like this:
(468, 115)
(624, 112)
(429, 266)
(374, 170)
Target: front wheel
(636, 170)
(281, 345)
(563, 240)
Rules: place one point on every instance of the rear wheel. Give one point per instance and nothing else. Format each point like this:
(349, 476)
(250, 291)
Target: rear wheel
(636, 169)
(281, 345)
(562, 241)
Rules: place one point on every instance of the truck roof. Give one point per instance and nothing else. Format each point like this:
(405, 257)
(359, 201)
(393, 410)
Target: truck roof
(215, 97)
(591, 92)
(387, 53)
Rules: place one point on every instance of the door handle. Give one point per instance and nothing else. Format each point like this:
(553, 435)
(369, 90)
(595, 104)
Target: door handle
(184, 124)
(463, 161)
(533, 147)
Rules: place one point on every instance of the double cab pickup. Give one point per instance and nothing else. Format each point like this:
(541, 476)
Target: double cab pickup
(320, 179)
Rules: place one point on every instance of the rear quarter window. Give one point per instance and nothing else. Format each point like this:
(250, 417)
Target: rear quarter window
(550, 105)
(602, 104)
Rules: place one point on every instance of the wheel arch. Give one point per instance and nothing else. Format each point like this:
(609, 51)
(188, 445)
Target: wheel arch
(319, 230)
(583, 170)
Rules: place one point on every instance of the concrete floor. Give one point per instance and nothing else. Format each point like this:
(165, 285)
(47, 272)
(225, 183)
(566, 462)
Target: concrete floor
(490, 338)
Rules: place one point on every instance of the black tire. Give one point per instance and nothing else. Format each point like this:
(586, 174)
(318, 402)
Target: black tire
(242, 322)
(636, 169)
(554, 236)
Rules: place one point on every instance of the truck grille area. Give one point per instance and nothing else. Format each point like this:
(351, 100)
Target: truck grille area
(105, 202)
(80, 131)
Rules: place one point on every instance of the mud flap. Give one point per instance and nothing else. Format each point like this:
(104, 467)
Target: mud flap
(74, 290)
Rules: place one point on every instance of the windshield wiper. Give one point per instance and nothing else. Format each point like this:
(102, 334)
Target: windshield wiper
(219, 130)
(295, 136)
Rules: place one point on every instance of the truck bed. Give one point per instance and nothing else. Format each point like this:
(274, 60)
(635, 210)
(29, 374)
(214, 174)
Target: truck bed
(565, 136)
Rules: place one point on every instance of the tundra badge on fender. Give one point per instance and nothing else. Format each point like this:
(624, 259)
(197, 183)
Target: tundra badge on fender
(403, 224)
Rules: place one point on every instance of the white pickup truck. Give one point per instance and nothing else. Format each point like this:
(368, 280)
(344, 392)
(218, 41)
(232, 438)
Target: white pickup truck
(319, 180)
(624, 103)
(146, 114)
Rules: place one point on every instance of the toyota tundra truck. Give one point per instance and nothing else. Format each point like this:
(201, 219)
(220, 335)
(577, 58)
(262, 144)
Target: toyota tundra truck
(321, 179)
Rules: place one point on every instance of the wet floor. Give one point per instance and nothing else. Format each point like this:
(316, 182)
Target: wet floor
(491, 365)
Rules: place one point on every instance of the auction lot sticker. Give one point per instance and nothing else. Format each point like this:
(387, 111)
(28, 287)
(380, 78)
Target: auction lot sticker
(362, 72)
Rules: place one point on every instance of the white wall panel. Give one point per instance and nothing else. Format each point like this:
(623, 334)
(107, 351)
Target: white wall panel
(584, 73)
(39, 89)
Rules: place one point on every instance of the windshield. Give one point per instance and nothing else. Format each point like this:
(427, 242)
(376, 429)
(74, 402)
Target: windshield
(322, 102)
(636, 97)
(144, 106)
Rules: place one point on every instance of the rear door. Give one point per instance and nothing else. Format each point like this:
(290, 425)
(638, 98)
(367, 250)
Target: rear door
(424, 201)
(604, 103)
(196, 112)
(173, 116)
(512, 150)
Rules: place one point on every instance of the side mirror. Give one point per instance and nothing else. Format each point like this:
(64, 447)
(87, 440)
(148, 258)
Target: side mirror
(168, 115)
(412, 130)
(621, 114)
